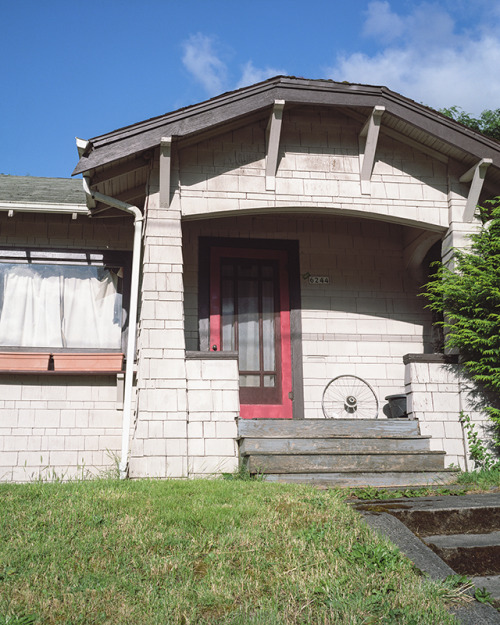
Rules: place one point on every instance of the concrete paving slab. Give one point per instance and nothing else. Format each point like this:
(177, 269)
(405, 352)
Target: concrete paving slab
(490, 582)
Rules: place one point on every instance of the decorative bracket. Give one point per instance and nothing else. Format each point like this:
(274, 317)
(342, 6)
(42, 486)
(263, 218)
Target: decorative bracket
(165, 167)
(476, 174)
(273, 133)
(368, 138)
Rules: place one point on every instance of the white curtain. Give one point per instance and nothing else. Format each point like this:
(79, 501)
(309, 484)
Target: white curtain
(59, 306)
(31, 311)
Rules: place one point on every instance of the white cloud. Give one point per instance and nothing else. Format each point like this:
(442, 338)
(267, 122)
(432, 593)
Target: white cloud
(426, 59)
(381, 23)
(252, 74)
(202, 61)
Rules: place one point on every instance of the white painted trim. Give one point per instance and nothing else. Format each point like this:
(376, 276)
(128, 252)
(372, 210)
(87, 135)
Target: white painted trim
(165, 169)
(39, 207)
(273, 133)
(476, 176)
(399, 136)
(81, 146)
(368, 139)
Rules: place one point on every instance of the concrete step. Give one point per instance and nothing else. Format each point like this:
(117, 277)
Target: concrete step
(454, 541)
(322, 463)
(351, 479)
(489, 582)
(468, 554)
(446, 516)
(337, 445)
(326, 428)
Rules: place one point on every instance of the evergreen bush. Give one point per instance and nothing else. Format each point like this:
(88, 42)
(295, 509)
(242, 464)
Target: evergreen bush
(468, 297)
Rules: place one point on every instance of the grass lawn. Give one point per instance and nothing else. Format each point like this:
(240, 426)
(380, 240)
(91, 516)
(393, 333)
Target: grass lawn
(202, 551)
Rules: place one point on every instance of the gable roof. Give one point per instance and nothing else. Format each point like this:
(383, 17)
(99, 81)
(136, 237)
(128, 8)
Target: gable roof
(420, 123)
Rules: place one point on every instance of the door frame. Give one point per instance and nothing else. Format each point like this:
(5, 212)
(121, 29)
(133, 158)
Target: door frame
(292, 250)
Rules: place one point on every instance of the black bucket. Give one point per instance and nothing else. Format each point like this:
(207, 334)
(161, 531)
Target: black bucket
(397, 405)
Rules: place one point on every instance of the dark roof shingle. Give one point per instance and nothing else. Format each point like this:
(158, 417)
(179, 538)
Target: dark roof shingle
(34, 190)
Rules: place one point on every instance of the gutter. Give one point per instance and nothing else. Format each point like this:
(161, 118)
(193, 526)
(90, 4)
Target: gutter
(132, 324)
(39, 207)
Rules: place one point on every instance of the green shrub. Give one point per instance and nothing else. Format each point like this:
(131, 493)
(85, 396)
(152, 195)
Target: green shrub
(469, 299)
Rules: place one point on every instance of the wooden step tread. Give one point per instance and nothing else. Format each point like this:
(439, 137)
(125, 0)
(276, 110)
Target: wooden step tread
(321, 463)
(360, 479)
(340, 437)
(360, 452)
(250, 446)
(326, 428)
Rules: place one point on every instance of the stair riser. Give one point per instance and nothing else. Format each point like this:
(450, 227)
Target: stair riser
(455, 521)
(362, 480)
(331, 446)
(339, 463)
(325, 428)
(471, 561)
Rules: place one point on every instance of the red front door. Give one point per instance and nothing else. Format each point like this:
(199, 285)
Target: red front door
(250, 314)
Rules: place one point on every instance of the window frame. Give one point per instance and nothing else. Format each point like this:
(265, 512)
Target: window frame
(79, 257)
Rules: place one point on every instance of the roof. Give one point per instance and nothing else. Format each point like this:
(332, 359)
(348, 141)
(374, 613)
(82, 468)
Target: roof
(402, 113)
(31, 190)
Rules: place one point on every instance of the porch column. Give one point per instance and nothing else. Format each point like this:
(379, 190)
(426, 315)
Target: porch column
(457, 236)
(159, 445)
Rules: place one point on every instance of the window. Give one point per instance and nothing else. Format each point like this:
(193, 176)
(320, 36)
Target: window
(62, 301)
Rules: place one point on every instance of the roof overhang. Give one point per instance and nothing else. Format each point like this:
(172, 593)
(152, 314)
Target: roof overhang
(200, 118)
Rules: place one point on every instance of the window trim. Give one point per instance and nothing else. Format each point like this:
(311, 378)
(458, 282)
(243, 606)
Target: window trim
(82, 257)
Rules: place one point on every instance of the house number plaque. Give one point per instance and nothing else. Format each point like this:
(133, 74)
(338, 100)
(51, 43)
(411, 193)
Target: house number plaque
(319, 280)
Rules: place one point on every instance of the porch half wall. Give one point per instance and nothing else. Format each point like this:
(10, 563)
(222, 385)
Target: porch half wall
(438, 391)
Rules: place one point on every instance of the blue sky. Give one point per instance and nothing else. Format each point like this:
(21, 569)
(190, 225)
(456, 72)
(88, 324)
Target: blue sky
(85, 68)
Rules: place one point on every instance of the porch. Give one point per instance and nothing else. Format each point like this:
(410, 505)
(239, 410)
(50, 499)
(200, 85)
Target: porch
(363, 320)
(419, 450)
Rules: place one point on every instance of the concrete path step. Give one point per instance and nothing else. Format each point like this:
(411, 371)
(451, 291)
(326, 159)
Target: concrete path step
(388, 517)
(491, 583)
(451, 515)
(454, 541)
(468, 554)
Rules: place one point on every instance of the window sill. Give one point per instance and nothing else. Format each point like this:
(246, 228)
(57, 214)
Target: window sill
(60, 363)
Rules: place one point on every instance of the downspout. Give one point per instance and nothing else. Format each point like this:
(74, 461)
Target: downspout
(132, 324)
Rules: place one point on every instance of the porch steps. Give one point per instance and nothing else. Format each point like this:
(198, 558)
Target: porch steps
(341, 452)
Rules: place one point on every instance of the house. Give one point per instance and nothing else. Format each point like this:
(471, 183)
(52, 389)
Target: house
(262, 243)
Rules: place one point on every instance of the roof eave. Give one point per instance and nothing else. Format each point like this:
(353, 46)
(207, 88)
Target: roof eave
(230, 106)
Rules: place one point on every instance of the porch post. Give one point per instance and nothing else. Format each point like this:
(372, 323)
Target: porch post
(459, 230)
(159, 446)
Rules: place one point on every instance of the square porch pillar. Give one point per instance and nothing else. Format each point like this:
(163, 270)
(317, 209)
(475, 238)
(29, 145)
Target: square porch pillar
(159, 443)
